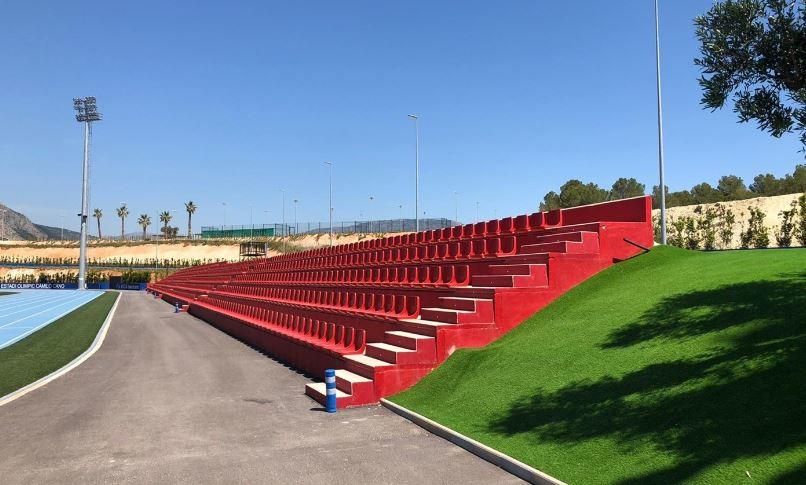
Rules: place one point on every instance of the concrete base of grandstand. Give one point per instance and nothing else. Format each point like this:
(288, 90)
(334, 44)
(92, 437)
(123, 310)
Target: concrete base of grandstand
(384, 313)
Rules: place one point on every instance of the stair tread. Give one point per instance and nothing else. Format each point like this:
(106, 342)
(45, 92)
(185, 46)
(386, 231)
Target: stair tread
(426, 322)
(464, 298)
(351, 377)
(402, 333)
(367, 360)
(390, 347)
(321, 388)
(448, 310)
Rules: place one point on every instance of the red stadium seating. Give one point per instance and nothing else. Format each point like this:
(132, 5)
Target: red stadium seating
(385, 312)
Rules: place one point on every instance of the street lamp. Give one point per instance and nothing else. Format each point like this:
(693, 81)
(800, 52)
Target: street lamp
(477, 211)
(416, 119)
(456, 211)
(87, 113)
(296, 228)
(660, 128)
(369, 213)
(330, 204)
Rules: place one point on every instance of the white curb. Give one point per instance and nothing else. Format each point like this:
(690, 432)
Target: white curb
(96, 344)
(513, 466)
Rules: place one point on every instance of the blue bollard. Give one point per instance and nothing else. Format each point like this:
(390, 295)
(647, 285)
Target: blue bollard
(330, 390)
(176, 307)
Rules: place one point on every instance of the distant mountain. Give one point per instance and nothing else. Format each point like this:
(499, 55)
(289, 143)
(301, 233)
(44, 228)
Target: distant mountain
(56, 232)
(15, 227)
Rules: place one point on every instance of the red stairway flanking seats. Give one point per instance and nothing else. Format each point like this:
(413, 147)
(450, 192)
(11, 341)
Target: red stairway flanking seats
(385, 312)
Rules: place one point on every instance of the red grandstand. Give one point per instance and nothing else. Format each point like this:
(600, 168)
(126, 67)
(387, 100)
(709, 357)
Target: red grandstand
(385, 312)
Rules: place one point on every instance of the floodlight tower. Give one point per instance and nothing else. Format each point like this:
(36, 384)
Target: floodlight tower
(86, 112)
(416, 119)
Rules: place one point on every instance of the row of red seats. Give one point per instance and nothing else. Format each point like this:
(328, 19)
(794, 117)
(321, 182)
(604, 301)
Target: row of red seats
(337, 339)
(508, 226)
(420, 275)
(493, 247)
(374, 302)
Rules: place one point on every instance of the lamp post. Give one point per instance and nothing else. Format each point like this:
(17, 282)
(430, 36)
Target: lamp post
(283, 231)
(87, 113)
(369, 213)
(296, 229)
(456, 208)
(477, 211)
(661, 167)
(330, 204)
(416, 119)
(224, 226)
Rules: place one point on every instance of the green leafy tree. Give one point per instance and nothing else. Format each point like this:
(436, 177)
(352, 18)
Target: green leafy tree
(98, 214)
(575, 193)
(625, 188)
(551, 201)
(767, 184)
(752, 51)
(705, 194)
(123, 213)
(190, 207)
(732, 187)
(144, 221)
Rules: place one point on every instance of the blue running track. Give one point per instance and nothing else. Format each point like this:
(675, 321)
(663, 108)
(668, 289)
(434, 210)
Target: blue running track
(26, 311)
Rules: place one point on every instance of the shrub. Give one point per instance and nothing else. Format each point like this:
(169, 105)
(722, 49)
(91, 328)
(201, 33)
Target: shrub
(783, 236)
(691, 238)
(756, 233)
(800, 233)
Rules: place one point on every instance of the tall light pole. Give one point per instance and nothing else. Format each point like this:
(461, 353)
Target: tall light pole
(369, 213)
(456, 211)
(224, 226)
(61, 216)
(296, 230)
(330, 204)
(86, 112)
(283, 232)
(477, 211)
(660, 128)
(251, 224)
(416, 119)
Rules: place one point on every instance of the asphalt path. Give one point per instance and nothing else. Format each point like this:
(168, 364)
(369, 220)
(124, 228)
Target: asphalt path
(170, 399)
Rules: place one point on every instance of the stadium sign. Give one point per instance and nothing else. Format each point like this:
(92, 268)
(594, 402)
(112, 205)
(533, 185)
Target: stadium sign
(38, 286)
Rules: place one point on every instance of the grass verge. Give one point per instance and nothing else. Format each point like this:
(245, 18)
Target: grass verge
(672, 367)
(53, 346)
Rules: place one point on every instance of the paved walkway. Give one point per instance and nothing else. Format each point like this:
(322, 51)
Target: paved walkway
(170, 399)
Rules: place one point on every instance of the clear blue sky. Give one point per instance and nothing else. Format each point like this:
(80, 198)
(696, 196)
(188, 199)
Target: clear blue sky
(232, 101)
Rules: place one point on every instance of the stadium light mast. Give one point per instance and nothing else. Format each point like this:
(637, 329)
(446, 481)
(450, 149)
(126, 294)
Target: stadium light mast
(86, 112)
(416, 119)
(660, 128)
(330, 203)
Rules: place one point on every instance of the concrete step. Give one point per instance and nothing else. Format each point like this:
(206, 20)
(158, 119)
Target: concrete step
(364, 365)
(349, 382)
(538, 278)
(509, 269)
(392, 353)
(483, 314)
(318, 392)
(461, 303)
(408, 340)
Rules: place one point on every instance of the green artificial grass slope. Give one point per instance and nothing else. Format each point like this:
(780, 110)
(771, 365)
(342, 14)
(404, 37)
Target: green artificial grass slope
(53, 346)
(672, 367)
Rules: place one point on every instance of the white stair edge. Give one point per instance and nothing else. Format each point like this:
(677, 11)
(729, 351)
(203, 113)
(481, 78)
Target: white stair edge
(401, 333)
(367, 360)
(321, 389)
(390, 347)
(448, 310)
(351, 377)
(429, 323)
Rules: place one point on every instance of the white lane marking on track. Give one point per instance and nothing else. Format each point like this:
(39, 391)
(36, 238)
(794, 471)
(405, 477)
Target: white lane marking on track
(46, 323)
(63, 302)
(18, 302)
(37, 304)
(15, 300)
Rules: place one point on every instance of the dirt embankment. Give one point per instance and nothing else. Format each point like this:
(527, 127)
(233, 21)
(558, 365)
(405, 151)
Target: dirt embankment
(770, 206)
(162, 251)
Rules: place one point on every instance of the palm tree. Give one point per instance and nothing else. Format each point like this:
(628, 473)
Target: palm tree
(191, 208)
(123, 213)
(165, 218)
(144, 220)
(97, 214)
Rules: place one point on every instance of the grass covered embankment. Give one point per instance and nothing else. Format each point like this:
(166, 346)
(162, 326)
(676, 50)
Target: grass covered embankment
(672, 367)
